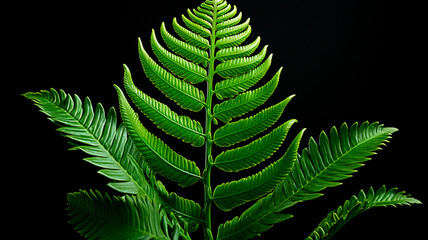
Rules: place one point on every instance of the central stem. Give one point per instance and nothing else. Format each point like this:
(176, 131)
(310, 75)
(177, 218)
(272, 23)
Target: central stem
(208, 134)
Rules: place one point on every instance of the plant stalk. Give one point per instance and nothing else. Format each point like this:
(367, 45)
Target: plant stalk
(208, 134)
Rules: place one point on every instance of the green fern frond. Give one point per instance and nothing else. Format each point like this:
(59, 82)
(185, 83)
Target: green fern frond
(313, 171)
(333, 160)
(337, 218)
(99, 216)
(107, 143)
(186, 210)
(210, 49)
(98, 135)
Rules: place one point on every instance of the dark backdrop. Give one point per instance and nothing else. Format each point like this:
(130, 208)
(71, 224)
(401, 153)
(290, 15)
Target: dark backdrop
(346, 61)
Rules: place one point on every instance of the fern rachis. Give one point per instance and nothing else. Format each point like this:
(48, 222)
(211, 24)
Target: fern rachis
(207, 61)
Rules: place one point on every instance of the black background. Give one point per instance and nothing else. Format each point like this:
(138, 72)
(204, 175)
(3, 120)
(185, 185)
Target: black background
(346, 61)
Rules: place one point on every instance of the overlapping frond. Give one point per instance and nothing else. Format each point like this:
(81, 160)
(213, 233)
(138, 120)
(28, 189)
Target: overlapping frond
(333, 159)
(100, 216)
(97, 134)
(337, 218)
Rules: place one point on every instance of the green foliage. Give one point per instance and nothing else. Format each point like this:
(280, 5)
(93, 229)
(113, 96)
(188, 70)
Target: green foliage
(210, 52)
(98, 216)
(357, 205)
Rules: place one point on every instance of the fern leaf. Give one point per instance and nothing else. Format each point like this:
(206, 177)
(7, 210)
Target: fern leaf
(253, 153)
(157, 154)
(200, 20)
(208, 6)
(246, 101)
(205, 16)
(98, 135)
(184, 94)
(225, 32)
(222, 6)
(246, 128)
(189, 36)
(182, 127)
(337, 218)
(248, 226)
(234, 40)
(237, 51)
(230, 87)
(184, 49)
(333, 160)
(226, 14)
(180, 67)
(231, 19)
(238, 66)
(310, 175)
(186, 210)
(99, 216)
(232, 194)
(205, 11)
(195, 27)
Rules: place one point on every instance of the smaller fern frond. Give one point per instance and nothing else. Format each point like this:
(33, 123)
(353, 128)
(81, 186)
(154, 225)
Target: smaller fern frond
(317, 168)
(98, 135)
(99, 216)
(333, 159)
(337, 218)
(186, 210)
